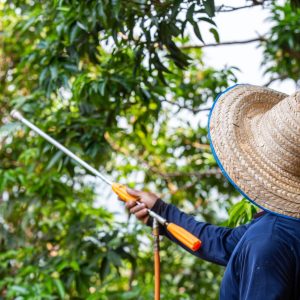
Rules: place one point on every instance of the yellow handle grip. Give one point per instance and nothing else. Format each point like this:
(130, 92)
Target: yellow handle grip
(185, 237)
(120, 190)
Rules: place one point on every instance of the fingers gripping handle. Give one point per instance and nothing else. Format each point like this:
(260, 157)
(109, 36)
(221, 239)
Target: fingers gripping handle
(183, 236)
(121, 191)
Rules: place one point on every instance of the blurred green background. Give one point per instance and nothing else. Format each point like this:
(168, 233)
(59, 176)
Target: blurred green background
(118, 83)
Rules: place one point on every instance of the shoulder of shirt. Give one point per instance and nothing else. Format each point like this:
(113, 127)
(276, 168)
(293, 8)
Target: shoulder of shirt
(260, 230)
(264, 237)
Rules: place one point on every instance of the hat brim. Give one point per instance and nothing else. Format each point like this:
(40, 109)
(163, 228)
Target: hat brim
(242, 163)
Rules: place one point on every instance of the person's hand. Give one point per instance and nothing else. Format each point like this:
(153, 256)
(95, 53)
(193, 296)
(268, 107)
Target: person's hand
(146, 199)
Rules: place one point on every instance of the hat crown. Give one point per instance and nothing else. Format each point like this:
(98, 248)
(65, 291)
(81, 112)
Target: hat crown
(279, 134)
(255, 137)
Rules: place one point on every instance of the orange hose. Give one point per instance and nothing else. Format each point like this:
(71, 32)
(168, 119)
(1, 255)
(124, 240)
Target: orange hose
(157, 275)
(156, 261)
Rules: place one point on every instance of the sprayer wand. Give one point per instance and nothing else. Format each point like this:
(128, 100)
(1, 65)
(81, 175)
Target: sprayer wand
(182, 235)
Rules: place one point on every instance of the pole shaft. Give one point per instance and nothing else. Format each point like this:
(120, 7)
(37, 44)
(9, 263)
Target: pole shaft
(156, 260)
(18, 116)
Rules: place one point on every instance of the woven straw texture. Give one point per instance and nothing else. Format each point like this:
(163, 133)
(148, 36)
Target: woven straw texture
(255, 133)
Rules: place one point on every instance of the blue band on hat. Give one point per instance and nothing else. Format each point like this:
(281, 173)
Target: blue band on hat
(221, 166)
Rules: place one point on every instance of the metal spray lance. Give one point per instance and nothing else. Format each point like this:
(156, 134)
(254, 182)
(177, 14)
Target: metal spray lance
(182, 235)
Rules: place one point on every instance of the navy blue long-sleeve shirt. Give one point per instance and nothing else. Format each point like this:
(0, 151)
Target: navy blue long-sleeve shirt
(262, 258)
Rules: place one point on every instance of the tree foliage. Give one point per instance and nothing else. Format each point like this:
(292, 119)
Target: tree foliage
(113, 82)
(282, 51)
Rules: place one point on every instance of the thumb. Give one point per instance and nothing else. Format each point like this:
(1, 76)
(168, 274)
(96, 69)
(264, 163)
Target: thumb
(133, 192)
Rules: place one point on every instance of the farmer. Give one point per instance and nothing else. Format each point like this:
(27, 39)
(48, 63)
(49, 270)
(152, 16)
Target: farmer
(254, 135)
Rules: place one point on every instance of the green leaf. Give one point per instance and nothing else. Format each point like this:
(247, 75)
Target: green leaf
(54, 72)
(114, 258)
(215, 34)
(197, 31)
(58, 155)
(9, 128)
(60, 288)
(102, 86)
(209, 6)
(101, 12)
(207, 20)
(63, 8)
(190, 13)
(43, 75)
(82, 26)
(104, 269)
(20, 290)
(74, 33)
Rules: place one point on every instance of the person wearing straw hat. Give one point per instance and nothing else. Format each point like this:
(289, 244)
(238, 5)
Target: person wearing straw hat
(254, 134)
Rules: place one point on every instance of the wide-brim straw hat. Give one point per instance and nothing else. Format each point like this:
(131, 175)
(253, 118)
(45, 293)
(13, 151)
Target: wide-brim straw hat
(254, 135)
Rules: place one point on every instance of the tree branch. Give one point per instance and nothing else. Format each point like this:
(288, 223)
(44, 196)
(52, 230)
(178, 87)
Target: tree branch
(226, 8)
(197, 174)
(259, 39)
(292, 53)
(193, 110)
(273, 79)
(156, 170)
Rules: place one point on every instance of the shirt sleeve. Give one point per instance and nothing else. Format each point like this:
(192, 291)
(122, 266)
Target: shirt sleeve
(217, 242)
(264, 268)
